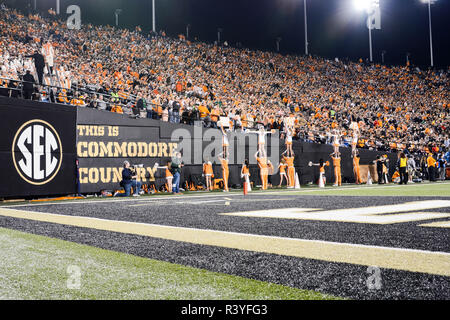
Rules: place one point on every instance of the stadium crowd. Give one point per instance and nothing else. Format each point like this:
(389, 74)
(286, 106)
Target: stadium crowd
(176, 80)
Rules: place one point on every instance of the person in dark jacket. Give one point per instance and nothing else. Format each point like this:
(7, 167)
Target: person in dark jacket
(129, 180)
(176, 112)
(28, 85)
(39, 63)
(379, 164)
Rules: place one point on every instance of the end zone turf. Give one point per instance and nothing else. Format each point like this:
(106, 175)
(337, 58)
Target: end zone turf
(208, 245)
(36, 267)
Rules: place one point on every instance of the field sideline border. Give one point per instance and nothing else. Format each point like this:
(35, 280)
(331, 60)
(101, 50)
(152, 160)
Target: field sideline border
(203, 194)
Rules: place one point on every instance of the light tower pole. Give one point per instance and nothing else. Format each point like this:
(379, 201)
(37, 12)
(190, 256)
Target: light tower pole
(429, 2)
(306, 28)
(278, 44)
(153, 16)
(219, 32)
(187, 31)
(372, 8)
(117, 13)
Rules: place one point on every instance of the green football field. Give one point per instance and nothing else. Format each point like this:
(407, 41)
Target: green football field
(440, 189)
(35, 266)
(38, 267)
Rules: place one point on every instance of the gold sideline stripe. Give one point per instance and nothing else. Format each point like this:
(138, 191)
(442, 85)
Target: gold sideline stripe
(391, 258)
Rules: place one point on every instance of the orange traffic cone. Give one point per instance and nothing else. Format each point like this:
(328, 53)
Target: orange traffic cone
(321, 184)
(297, 182)
(245, 188)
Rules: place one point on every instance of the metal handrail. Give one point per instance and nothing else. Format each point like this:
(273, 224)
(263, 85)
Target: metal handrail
(60, 89)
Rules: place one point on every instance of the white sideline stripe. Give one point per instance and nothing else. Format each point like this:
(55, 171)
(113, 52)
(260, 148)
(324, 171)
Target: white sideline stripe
(439, 224)
(386, 214)
(230, 194)
(413, 260)
(172, 202)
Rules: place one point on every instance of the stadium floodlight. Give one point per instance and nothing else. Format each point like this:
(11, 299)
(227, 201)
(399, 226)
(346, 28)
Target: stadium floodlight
(371, 7)
(430, 2)
(362, 5)
(117, 13)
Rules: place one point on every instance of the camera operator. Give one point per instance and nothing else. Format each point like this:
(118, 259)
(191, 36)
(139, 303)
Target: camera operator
(129, 180)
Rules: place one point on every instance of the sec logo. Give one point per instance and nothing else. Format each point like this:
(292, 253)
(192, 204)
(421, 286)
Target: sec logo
(37, 152)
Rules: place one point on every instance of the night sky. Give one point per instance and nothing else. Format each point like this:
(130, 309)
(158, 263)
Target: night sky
(335, 28)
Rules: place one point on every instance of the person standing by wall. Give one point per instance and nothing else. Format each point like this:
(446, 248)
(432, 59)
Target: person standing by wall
(169, 175)
(402, 168)
(442, 163)
(431, 162)
(28, 85)
(225, 172)
(356, 168)
(379, 165)
(177, 164)
(282, 167)
(39, 63)
(270, 172)
(336, 157)
(290, 170)
(411, 168)
(245, 172)
(208, 174)
(263, 169)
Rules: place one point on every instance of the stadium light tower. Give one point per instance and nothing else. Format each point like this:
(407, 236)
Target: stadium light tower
(219, 32)
(117, 13)
(382, 56)
(430, 2)
(306, 28)
(187, 31)
(153, 16)
(58, 5)
(278, 40)
(372, 8)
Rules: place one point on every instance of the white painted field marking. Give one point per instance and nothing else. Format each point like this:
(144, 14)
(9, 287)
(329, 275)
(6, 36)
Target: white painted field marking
(439, 224)
(209, 202)
(375, 215)
(412, 260)
(237, 193)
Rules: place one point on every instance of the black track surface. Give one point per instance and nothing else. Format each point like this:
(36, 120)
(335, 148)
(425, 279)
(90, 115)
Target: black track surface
(335, 278)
